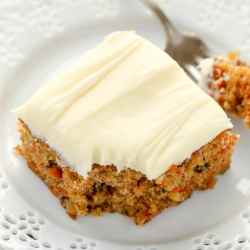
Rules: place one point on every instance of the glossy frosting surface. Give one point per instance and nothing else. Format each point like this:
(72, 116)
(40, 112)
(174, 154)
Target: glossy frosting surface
(127, 103)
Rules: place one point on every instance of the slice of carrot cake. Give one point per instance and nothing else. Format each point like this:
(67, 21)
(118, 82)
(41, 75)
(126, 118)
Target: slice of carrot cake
(227, 80)
(124, 130)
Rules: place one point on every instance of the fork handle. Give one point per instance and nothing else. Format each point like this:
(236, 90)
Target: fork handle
(169, 27)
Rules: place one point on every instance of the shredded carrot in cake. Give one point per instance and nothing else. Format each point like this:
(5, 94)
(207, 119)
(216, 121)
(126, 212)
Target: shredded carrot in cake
(128, 192)
(230, 86)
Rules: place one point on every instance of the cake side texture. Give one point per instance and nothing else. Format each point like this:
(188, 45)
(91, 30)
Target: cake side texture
(229, 84)
(128, 192)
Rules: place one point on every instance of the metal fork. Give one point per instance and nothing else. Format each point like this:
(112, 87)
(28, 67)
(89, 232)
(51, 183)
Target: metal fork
(186, 48)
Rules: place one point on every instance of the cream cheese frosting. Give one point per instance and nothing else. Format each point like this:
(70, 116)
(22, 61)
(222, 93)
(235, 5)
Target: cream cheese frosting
(206, 70)
(126, 103)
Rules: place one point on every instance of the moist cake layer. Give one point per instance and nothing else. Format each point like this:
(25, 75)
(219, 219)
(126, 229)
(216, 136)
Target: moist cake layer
(228, 81)
(125, 103)
(128, 191)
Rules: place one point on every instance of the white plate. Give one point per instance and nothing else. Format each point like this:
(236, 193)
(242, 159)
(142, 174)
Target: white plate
(37, 37)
